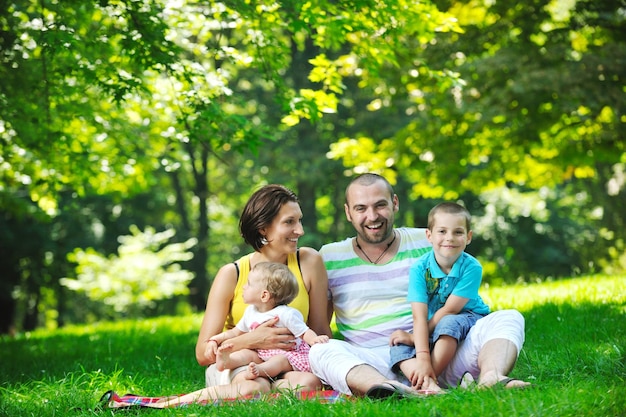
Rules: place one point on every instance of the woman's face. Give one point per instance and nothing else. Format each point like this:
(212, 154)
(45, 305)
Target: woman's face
(286, 228)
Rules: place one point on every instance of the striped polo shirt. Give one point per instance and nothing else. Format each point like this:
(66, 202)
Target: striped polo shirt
(370, 301)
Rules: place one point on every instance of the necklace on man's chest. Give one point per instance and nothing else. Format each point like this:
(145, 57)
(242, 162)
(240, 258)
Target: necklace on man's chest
(356, 239)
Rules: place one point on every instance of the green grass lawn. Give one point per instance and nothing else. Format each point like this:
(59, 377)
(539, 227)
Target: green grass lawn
(575, 356)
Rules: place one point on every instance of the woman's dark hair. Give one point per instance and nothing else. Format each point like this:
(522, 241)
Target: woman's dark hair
(260, 210)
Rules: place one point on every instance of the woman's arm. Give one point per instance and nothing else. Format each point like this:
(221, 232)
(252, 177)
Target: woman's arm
(217, 307)
(266, 336)
(315, 280)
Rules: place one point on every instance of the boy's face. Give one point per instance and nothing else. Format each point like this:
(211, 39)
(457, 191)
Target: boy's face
(449, 235)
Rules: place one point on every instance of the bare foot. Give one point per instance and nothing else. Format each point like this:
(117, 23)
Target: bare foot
(252, 372)
(223, 356)
(431, 386)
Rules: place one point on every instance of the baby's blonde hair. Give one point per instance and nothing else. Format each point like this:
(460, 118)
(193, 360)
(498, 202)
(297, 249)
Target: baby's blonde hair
(280, 282)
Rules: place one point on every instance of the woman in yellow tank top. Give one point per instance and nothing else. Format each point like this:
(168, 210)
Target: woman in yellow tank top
(271, 223)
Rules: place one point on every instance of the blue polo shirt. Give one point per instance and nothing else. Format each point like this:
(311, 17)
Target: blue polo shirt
(428, 284)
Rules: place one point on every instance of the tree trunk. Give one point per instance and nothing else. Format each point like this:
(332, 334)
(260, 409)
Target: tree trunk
(200, 285)
(7, 307)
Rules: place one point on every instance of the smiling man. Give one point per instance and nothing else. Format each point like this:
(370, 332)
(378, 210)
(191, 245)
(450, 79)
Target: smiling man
(368, 283)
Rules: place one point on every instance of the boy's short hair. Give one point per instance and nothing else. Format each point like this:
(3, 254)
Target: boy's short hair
(280, 282)
(450, 208)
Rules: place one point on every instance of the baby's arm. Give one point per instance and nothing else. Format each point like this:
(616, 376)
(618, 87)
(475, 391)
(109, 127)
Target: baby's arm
(312, 338)
(228, 334)
(211, 348)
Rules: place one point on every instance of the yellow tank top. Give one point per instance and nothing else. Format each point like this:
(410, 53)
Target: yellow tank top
(300, 303)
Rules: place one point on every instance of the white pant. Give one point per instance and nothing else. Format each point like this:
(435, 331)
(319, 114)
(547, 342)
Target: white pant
(503, 324)
(213, 377)
(332, 361)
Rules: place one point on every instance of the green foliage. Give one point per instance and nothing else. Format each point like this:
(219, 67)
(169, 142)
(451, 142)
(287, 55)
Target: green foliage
(536, 110)
(146, 270)
(530, 234)
(89, 79)
(523, 112)
(196, 104)
(584, 373)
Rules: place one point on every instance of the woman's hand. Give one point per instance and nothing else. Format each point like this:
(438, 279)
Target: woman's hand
(266, 336)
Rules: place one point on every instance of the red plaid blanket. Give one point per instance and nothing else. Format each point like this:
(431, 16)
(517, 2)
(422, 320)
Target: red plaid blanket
(111, 399)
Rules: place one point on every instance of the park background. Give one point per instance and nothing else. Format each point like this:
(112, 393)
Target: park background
(133, 131)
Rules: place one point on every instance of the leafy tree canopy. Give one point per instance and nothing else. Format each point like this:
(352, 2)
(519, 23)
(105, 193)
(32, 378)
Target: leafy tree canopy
(539, 101)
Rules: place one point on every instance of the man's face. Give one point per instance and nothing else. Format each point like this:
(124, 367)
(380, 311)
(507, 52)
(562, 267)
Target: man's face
(371, 210)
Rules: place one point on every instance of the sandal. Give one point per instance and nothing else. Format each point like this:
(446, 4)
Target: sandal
(467, 381)
(389, 390)
(504, 383)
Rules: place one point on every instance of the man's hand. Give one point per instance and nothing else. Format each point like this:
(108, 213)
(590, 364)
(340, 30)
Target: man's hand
(400, 337)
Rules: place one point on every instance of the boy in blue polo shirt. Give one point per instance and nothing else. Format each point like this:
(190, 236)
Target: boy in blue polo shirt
(443, 292)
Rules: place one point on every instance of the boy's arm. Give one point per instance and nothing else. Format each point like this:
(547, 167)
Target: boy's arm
(424, 367)
(420, 328)
(454, 304)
